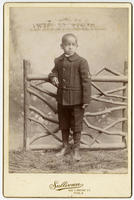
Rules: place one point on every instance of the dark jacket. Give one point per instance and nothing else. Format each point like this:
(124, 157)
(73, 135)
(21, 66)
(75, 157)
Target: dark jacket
(74, 80)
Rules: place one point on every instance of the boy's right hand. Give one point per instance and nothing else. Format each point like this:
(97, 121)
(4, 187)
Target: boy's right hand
(55, 81)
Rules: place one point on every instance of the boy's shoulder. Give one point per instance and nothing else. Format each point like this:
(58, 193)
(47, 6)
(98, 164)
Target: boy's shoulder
(59, 58)
(82, 59)
(74, 57)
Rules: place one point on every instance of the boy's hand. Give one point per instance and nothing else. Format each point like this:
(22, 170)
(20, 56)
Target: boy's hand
(55, 81)
(84, 106)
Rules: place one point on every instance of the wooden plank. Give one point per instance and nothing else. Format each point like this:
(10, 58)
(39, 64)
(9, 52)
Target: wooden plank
(93, 78)
(108, 101)
(44, 116)
(33, 77)
(100, 146)
(51, 94)
(109, 79)
(26, 71)
(108, 110)
(43, 99)
(102, 129)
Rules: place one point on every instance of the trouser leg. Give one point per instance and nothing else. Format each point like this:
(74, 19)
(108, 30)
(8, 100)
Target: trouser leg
(77, 137)
(65, 140)
(65, 137)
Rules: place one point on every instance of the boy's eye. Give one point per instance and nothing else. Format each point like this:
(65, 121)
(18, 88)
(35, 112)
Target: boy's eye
(69, 44)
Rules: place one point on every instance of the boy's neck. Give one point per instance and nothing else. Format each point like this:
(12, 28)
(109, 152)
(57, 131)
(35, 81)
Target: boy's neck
(69, 55)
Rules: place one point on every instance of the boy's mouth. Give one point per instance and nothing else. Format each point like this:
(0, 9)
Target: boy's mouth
(70, 51)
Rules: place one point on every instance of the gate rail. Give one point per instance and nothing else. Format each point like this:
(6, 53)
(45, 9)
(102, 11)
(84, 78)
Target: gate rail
(121, 104)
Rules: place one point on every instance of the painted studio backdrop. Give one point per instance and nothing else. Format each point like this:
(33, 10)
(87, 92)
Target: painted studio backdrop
(35, 35)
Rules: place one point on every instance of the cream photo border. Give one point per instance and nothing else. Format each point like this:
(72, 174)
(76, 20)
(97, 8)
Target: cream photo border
(38, 184)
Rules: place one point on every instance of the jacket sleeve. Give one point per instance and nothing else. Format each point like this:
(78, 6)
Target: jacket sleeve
(85, 81)
(54, 72)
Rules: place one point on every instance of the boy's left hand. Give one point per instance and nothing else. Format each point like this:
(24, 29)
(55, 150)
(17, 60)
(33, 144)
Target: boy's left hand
(84, 106)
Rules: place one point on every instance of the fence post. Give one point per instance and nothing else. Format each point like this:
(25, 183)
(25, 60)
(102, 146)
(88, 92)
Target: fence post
(26, 71)
(125, 124)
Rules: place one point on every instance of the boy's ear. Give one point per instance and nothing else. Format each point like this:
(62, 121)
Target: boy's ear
(61, 46)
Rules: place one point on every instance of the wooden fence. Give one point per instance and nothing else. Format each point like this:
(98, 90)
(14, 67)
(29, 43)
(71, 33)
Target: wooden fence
(117, 102)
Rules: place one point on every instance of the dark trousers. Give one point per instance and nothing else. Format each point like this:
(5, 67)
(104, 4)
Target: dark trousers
(76, 138)
(71, 117)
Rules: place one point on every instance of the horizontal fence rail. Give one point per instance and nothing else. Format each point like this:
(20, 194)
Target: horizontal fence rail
(32, 77)
(117, 103)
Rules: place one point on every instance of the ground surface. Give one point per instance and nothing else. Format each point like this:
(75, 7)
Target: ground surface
(101, 161)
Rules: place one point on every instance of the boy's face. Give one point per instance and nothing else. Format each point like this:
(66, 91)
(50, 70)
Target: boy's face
(69, 45)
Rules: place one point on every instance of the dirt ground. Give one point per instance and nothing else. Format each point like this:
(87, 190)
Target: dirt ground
(45, 161)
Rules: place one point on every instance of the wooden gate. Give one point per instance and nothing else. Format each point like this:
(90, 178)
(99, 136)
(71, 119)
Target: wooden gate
(97, 133)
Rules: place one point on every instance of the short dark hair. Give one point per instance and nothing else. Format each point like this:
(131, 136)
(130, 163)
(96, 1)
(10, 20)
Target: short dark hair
(67, 35)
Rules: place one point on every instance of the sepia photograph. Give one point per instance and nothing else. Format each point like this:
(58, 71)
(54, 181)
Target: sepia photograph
(68, 89)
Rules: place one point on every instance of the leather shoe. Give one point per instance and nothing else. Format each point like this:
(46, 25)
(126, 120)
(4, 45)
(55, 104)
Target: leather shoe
(63, 151)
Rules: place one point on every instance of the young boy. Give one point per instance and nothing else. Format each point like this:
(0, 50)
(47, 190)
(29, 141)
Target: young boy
(72, 78)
